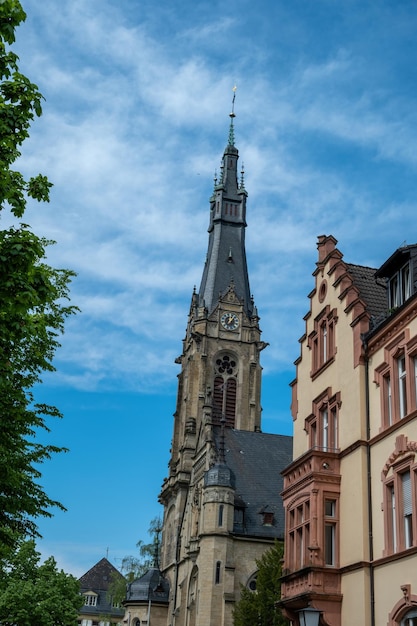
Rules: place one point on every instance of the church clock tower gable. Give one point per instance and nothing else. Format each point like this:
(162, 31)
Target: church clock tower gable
(220, 373)
(223, 470)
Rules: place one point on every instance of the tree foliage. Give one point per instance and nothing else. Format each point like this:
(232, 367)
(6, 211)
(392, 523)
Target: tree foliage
(259, 607)
(33, 306)
(134, 567)
(36, 595)
(20, 102)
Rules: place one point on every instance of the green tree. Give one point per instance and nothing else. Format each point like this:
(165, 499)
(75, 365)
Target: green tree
(33, 306)
(33, 594)
(257, 608)
(134, 567)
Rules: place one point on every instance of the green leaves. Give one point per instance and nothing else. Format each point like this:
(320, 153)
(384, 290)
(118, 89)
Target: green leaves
(33, 594)
(11, 15)
(20, 103)
(33, 308)
(259, 607)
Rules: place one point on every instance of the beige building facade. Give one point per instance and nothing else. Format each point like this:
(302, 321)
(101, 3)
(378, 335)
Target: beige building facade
(350, 494)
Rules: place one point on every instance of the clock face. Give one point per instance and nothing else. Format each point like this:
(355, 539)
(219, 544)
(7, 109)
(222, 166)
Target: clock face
(229, 321)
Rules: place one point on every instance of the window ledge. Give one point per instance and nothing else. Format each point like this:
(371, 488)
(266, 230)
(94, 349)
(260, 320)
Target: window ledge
(315, 373)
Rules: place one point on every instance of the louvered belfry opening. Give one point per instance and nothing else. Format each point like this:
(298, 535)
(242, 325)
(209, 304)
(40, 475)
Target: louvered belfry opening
(224, 393)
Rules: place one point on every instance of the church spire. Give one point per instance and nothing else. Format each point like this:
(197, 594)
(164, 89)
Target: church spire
(226, 264)
(232, 116)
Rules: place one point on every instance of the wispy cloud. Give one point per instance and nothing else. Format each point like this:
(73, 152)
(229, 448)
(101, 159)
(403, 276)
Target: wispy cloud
(135, 123)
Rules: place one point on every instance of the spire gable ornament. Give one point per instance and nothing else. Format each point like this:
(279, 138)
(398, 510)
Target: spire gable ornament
(232, 116)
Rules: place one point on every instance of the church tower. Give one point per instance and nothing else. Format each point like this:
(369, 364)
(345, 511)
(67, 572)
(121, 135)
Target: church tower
(218, 400)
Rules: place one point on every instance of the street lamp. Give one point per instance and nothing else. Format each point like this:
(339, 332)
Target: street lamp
(309, 616)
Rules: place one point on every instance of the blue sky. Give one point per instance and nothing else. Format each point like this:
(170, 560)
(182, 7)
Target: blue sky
(137, 97)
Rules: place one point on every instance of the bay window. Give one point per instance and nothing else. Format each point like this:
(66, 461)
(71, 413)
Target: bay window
(330, 526)
(323, 424)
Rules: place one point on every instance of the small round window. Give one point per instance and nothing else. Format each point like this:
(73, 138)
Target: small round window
(226, 365)
(323, 291)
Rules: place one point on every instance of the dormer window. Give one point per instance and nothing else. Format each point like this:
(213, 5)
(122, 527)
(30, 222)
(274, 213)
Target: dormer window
(399, 289)
(238, 516)
(90, 598)
(268, 518)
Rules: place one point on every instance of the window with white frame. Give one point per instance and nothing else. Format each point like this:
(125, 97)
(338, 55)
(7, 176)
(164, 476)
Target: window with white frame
(387, 402)
(323, 424)
(399, 288)
(322, 340)
(330, 529)
(400, 507)
(397, 379)
(299, 535)
(90, 599)
(402, 385)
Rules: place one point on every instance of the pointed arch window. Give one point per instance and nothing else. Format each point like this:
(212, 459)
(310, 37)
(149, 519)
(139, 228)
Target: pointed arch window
(225, 387)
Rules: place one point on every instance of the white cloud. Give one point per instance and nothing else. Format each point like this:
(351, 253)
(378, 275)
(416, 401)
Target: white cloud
(134, 126)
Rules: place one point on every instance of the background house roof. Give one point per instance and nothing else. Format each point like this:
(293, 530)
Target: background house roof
(99, 576)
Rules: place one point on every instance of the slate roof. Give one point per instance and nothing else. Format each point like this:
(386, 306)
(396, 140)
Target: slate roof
(97, 579)
(397, 259)
(226, 256)
(372, 290)
(257, 460)
(151, 586)
(99, 576)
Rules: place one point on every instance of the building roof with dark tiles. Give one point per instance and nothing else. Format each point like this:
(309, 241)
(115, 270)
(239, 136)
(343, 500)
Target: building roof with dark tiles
(372, 290)
(257, 460)
(152, 586)
(97, 581)
(99, 576)
(397, 258)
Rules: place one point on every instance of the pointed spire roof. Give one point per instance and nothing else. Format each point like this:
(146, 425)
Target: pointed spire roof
(226, 264)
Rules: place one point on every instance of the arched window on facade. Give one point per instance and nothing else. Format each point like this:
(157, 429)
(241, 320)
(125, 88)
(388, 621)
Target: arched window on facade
(410, 619)
(251, 584)
(224, 391)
